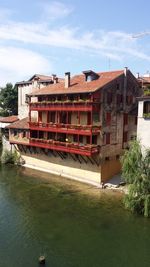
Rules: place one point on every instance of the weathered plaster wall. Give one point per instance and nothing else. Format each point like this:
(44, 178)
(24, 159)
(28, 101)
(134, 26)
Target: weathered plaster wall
(66, 167)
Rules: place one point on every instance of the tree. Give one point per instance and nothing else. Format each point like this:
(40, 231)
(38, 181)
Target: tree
(9, 100)
(136, 172)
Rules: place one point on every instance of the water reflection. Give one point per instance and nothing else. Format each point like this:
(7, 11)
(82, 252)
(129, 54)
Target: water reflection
(73, 224)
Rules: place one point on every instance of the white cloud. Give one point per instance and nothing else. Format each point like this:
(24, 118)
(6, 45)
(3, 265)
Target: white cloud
(116, 45)
(55, 10)
(20, 63)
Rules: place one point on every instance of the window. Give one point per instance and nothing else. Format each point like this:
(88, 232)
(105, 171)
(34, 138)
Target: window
(26, 99)
(125, 119)
(119, 99)
(89, 118)
(109, 98)
(51, 116)
(107, 138)
(125, 137)
(34, 134)
(129, 99)
(15, 133)
(80, 139)
(75, 138)
(133, 137)
(96, 117)
(118, 86)
(94, 139)
(108, 118)
(41, 135)
(88, 139)
(40, 116)
(24, 134)
(146, 107)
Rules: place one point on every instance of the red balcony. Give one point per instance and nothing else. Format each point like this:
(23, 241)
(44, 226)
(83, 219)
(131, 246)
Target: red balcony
(87, 150)
(65, 128)
(65, 106)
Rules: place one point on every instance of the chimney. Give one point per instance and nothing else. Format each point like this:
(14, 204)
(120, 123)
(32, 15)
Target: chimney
(137, 75)
(53, 77)
(56, 80)
(67, 79)
(125, 71)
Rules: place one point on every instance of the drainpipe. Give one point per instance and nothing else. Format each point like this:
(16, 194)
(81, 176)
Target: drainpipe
(125, 88)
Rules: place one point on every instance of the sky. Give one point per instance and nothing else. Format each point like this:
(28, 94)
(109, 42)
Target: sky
(45, 37)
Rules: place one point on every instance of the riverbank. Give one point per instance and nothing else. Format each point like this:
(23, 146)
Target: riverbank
(68, 176)
(73, 184)
(113, 183)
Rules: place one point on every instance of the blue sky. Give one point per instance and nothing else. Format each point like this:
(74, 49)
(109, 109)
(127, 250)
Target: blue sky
(44, 36)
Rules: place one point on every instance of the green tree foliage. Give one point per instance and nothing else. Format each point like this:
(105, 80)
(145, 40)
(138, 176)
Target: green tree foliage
(8, 100)
(9, 157)
(136, 172)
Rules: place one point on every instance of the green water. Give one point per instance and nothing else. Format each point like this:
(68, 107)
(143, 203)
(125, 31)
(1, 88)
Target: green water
(71, 226)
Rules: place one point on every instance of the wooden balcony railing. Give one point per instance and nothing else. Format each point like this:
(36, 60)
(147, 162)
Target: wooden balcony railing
(75, 148)
(65, 128)
(65, 105)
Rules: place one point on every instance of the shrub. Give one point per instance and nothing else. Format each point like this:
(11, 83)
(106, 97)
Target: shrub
(136, 172)
(9, 157)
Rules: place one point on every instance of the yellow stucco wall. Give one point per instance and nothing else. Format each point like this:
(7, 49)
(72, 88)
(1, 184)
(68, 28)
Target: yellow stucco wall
(110, 168)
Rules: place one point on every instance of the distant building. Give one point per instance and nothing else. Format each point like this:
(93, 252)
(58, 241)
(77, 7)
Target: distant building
(4, 132)
(79, 127)
(36, 82)
(144, 81)
(143, 129)
(5, 121)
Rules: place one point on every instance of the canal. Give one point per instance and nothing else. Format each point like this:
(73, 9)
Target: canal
(74, 225)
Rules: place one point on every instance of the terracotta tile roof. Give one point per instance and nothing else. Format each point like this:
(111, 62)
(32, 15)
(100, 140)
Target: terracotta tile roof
(9, 119)
(79, 85)
(23, 82)
(41, 78)
(20, 124)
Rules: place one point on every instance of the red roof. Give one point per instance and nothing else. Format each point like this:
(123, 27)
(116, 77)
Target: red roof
(9, 119)
(20, 124)
(40, 78)
(79, 85)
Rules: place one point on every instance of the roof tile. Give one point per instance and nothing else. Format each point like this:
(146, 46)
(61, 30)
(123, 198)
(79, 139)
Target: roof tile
(79, 85)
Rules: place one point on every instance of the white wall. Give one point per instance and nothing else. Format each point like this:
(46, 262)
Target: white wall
(143, 127)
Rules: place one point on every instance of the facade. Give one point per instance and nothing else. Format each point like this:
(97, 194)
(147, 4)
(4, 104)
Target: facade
(79, 127)
(144, 81)
(36, 82)
(143, 129)
(4, 132)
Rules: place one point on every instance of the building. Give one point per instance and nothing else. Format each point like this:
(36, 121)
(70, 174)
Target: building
(144, 81)
(37, 81)
(143, 129)
(79, 127)
(4, 132)
(5, 121)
